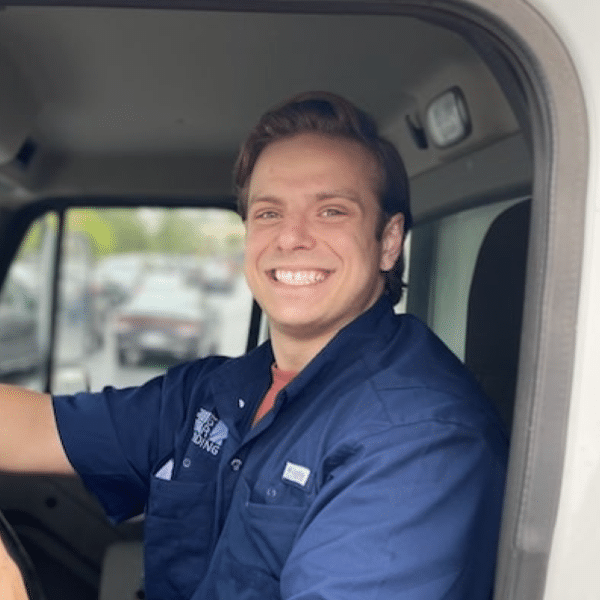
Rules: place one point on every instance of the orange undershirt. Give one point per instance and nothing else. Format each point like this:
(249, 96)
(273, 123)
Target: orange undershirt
(279, 380)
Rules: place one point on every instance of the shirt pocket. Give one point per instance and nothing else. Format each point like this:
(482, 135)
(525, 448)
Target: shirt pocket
(178, 537)
(269, 530)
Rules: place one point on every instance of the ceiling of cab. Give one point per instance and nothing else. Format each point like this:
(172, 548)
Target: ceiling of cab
(140, 83)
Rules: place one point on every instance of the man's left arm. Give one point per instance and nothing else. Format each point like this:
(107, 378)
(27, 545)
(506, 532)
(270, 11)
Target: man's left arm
(412, 514)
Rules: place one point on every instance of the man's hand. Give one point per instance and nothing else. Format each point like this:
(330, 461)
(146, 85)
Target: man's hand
(12, 586)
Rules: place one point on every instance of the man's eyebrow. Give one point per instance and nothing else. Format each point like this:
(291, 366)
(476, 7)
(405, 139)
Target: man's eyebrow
(267, 199)
(345, 193)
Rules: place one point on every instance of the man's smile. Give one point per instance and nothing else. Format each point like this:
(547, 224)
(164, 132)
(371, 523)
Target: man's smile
(299, 277)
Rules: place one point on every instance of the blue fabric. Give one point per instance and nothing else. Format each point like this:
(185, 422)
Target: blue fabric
(378, 475)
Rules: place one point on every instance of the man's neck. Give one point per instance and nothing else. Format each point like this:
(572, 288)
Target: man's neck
(292, 353)
(294, 348)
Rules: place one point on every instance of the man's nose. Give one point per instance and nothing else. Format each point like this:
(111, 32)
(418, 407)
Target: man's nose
(295, 233)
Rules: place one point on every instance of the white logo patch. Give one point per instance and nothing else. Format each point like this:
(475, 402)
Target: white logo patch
(209, 432)
(296, 473)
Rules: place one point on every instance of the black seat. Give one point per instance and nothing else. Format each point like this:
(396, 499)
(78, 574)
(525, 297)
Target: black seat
(495, 309)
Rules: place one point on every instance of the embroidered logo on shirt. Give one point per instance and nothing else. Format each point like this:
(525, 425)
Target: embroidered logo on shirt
(209, 431)
(296, 473)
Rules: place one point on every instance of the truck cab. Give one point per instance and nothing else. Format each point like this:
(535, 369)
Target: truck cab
(119, 127)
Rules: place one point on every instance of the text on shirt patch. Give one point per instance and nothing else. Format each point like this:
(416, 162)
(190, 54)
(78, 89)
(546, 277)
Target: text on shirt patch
(296, 473)
(209, 431)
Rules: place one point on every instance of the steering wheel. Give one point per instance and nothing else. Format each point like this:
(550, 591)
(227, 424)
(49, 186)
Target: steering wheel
(18, 579)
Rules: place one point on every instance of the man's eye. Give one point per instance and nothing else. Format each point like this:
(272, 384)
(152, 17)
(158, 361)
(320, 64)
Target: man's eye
(265, 215)
(333, 212)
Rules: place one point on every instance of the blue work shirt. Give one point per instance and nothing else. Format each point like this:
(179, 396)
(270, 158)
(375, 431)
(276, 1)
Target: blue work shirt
(379, 473)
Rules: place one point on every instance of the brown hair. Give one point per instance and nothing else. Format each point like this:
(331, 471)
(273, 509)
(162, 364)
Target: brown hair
(330, 114)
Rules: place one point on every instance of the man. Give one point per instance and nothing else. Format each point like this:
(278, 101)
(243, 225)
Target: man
(351, 456)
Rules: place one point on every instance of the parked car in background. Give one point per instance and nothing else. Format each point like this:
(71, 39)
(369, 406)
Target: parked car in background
(19, 349)
(164, 319)
(217, 276)
(114, 278)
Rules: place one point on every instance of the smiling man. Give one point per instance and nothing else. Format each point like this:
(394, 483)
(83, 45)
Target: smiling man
(314, 260)
(350, 457)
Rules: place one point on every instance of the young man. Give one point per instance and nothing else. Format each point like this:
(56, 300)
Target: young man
(351, 456)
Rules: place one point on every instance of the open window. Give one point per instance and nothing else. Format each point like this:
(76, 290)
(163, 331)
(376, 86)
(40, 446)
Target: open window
(137, 290)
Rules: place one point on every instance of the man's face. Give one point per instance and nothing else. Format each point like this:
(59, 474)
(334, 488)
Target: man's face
(312, 258)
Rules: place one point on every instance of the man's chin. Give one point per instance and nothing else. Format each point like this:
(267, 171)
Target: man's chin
(300, 327)
(307, 325)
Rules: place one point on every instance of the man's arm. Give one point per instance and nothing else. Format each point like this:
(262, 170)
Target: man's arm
(29, 438)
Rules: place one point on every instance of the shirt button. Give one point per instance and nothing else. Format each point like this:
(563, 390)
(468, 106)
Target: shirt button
(236, 464)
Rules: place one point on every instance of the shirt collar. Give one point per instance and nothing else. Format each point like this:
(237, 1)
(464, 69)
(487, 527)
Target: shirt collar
(375, 325)
(252, 372)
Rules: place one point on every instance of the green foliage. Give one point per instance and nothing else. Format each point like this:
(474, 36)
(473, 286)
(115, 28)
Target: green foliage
(110, 230)
(175, 235)
(33, 239)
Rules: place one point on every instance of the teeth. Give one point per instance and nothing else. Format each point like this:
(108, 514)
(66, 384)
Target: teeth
(299, 277)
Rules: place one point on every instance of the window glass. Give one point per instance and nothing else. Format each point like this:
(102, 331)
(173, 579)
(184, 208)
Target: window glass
(142, 289)
(443, 256)
(24, 307)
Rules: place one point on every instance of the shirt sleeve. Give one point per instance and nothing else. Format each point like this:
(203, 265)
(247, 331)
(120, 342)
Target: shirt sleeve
(413, 514)
(117, 438)
(111, 462)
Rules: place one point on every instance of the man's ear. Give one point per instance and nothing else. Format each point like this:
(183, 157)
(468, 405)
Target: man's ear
(391, 242)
